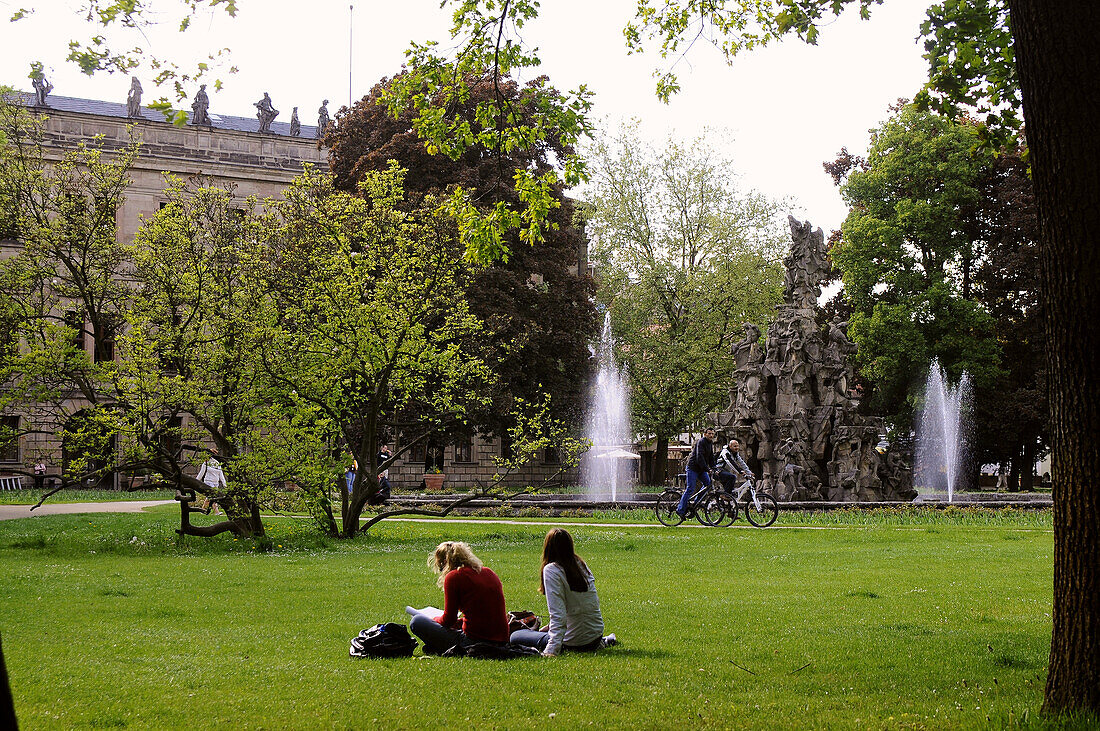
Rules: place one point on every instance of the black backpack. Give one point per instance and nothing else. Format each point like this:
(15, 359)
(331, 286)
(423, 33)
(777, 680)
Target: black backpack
(383, 640)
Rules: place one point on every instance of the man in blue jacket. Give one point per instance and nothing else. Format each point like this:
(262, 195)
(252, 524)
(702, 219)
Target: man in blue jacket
(699, 465)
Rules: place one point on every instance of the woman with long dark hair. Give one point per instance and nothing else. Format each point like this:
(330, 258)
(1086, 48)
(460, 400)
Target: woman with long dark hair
(570, 589)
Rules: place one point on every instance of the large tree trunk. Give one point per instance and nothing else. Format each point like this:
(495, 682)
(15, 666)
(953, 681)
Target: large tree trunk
(1058, 59)
(660, 461)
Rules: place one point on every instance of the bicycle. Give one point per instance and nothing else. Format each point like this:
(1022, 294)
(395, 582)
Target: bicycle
(760, 508)
(705, 505)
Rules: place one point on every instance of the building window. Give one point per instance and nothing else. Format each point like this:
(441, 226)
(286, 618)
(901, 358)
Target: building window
(550, 455)
(419, 453)
(74, 320)
(9, 438)
(506, 450)
(464, 450)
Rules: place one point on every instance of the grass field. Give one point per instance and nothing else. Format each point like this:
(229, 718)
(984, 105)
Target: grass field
(924, 621)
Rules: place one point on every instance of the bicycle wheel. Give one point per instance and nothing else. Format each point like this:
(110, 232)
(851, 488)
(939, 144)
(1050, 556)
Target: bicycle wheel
(765, 514)
(729, 510)
(666, 508)
(714, 509)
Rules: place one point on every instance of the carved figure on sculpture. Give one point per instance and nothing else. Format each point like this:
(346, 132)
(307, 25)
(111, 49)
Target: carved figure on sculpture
(133, 99)
(42, 89)
(837, 343)
(295, 124)
(806, 265)
(266, 113)
(742, 350)
(200, 107)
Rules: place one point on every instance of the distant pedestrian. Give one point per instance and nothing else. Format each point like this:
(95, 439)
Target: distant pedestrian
(213, 477)
(39, 474)
(349, 476)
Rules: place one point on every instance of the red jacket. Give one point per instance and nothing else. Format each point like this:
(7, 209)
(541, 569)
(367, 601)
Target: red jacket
(479, 595)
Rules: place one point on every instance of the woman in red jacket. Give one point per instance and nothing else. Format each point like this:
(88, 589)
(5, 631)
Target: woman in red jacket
(470, 588)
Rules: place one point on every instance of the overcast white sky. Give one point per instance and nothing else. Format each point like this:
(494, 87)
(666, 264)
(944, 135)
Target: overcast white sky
(788, 107)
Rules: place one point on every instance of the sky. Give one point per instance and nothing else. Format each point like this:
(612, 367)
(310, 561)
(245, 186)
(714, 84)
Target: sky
(784, 109)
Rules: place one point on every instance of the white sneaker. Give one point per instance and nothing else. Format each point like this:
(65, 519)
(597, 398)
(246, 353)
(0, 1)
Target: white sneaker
(610, 640)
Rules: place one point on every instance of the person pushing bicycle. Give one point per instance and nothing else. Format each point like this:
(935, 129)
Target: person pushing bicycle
(732, 466)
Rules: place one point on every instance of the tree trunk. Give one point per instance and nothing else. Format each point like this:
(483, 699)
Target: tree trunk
(1014, 474)
(660, 461)
(1027, 474)
(1058, 60)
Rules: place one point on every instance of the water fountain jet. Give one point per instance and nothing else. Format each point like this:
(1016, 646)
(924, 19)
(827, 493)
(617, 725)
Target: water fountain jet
(606, 468)
(942, 435)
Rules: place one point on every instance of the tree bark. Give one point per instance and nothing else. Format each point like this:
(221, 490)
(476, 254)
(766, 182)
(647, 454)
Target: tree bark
(660, 461)
(1058, 60)
(1027, 474)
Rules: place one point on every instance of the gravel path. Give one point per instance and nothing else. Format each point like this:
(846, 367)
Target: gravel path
(10, 512)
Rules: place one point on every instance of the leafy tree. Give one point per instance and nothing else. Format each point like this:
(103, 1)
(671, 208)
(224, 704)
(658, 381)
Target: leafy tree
(138, 357)
(375, 337)
(1054, 58)
(906, 259)
(534, 303)
(1006, 283)
(487, 52)
(684, 260)
(62, 290)
(191, 371)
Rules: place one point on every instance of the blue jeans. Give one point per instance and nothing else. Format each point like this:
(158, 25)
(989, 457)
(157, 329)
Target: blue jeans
(538, 640)
(437, 639)
(692, 478)
(531, 638)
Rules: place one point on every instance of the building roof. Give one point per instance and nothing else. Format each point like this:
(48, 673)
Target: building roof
(114, 109)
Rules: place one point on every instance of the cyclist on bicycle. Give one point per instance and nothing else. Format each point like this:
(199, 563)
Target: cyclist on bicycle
(732, 467)
(699, 465)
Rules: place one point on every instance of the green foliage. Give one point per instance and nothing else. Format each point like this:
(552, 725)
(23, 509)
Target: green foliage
(488, 49)
(684, 259)
(374, 336)
(906, 259)
(536, 309)
(972, 66)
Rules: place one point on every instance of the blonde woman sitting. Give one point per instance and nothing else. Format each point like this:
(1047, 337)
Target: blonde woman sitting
(469, 588)
(575, 620)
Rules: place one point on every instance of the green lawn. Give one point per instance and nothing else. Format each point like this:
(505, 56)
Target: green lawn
(924, 622)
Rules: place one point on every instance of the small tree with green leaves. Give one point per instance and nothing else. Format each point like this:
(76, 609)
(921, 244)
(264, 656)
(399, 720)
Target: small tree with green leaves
(684, 259)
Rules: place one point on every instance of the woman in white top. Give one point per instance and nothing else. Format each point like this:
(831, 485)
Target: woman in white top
(570, 589)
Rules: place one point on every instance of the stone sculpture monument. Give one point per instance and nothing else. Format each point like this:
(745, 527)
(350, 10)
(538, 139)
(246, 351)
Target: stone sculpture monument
(295, 123)
(200, 107)
(792, 406)
(42, 89)
(133, 99)
(323, 120)
(266, 113)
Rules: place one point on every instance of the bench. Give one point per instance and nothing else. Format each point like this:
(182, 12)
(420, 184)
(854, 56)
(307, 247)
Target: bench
(14, 482)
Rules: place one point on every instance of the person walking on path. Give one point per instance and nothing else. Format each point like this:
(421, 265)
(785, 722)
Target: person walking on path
(213, 477)
(699, 464)
(470, 588)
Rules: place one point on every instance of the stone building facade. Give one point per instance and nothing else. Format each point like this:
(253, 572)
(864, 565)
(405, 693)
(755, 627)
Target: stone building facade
(229, 151)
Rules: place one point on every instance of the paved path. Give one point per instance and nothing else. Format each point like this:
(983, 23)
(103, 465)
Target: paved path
(9, 512)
